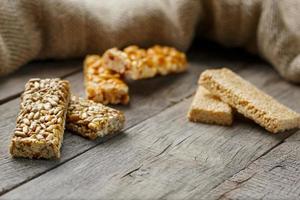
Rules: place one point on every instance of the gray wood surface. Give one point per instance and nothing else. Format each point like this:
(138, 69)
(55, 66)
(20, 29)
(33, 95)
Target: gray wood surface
(162, 155)
(149, 97)
(11, 86)
(273, 176)
(155, 160)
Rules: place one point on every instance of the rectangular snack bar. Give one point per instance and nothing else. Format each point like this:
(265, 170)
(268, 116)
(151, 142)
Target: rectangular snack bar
(103, 85)
(208, 108)
(167, 60)
(41, 120)
(132, 62)
(92, 120)
(136, 63)
(249, 101)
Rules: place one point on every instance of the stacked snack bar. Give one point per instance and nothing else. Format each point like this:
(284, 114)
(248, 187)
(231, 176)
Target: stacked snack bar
(249, 101)
(92, 120)
(103, 85)
(41, 120)
(45, 110)
(136, 63)
(167, 60)
(231, 90)
(46, 107)
(208, 108)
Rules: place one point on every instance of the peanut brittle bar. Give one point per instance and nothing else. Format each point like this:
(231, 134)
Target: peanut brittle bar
(103, 85)
(92, 120)
(136, 63)
(167, 59)
(249, 101)
(208, 108)
(41, 120)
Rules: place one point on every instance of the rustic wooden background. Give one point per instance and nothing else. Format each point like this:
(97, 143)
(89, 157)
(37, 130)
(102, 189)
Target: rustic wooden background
(159, 154)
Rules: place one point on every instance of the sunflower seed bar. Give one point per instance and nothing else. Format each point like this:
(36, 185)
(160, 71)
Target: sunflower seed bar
(41, 120)
(136, 63)
(249, 101)
(103, 85)
(92, 120)
(208, 108)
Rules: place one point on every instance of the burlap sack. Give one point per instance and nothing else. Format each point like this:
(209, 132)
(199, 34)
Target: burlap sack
(38, 29)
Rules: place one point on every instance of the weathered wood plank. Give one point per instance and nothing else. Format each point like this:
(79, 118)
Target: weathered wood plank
(165, 156)
(149, 97)
(12, 85)
(273, 176)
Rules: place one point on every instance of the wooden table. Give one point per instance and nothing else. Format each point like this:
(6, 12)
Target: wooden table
(159, 154)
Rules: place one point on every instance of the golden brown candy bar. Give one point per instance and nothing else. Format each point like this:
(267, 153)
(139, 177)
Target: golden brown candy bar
(249, 101)
(136, 63)
(208, 108)
(41, 120)
(92, 120)
(103, 85)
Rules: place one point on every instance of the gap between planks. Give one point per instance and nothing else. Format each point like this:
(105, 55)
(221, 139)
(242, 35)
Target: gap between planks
(155, 151)
(12, 85)
(102, 141)
(274, 176)
(138, 112)
(277, 94)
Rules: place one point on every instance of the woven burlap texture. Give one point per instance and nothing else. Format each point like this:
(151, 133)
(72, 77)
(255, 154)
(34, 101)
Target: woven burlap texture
(39, 29)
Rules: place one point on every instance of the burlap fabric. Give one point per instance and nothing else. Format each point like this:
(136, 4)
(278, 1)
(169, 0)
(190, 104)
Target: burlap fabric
(39, 29)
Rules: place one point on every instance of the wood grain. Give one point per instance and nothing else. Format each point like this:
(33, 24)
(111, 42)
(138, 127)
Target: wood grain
(149, 97)
(166, 156)
(274, 176)
(12, 85)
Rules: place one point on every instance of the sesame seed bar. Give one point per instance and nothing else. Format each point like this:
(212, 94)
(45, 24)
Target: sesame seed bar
(249, 101)
(208, 108)
(103, 85)
(41, 120)
(136, 63)
(92, 120)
